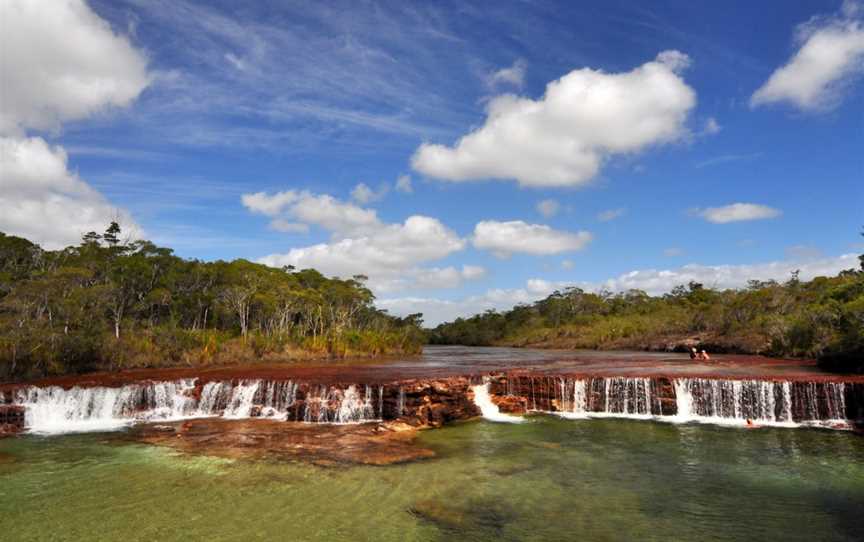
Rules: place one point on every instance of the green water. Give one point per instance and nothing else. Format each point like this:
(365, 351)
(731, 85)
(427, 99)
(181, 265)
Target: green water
(545, 480)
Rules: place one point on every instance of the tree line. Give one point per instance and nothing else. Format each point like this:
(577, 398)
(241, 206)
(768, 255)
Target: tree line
(110, 303)
(821, 318)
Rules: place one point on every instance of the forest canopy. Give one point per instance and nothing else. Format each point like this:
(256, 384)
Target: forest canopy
(821, 318)
(110, 303)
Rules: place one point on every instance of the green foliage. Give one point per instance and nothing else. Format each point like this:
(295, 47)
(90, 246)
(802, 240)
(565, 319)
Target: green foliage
(107, 304)
(821, 318)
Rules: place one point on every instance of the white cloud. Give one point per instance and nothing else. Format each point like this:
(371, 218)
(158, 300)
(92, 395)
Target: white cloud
(505, 238)
(280, 224)
(61, 62)
(831, 53)
(340, 218)
(568, 265)
(548, 207)
(265, 204)
(737, 212)
(655, 282)
(725, 158)
(672, 252)
(447, 277)
(41, 200)
(563, 138)
(389, 254)
(514, 75)
(403, 184)
(54, 68)
(362, 194)
(611, 214)
(471, 272)
(711, 126)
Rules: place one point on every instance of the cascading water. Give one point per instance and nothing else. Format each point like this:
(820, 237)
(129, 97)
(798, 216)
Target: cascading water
(56, 410)
(726, 402)
(760, 402)
(489, 409)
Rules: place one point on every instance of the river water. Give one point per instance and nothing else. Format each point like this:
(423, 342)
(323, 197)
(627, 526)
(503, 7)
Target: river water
(545, 478)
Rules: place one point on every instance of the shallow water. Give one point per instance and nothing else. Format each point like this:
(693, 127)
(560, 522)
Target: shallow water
(546, 479)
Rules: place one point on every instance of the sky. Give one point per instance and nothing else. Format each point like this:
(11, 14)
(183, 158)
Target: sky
(463, 157)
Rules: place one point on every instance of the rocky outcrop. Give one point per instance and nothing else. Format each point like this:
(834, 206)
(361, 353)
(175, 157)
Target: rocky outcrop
(432, 402)
(11, 419)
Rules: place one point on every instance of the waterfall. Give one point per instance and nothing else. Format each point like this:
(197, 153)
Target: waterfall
(334, 405)
(401, 407)
(784, 404)
(489, 409)
(682, 400)
(57, 410)
(618, 397)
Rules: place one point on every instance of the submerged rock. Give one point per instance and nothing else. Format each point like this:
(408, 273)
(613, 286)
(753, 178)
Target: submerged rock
(321, 444)
(11, 420)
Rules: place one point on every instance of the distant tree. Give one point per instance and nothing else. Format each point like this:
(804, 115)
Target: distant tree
(111, 235)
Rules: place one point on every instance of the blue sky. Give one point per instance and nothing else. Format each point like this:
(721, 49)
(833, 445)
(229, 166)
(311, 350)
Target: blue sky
(662, 117)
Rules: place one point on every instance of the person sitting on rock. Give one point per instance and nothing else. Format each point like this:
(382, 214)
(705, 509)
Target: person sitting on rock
(704, 355)
(693, 353)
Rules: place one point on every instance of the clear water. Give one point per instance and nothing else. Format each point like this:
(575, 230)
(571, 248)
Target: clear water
(546, 479)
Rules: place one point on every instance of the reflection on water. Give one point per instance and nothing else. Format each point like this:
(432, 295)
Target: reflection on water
(546, 479)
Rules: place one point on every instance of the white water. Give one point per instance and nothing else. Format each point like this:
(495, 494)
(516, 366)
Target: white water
(489, 409)
(621, 398)
(759, 402)
(53, 410)
(722, 402)
(725, 402)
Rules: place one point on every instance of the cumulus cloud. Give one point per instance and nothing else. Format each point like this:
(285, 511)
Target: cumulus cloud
(447, 277)
(40, 199)
(514, 75)
(389, 255)
(655, 282)
(62, 62)
(563, 138)
(548, 207)
(737, 212)
(340, 218)
(362, 194)
(830, 55)
(505, 238)
(611, 214)
(403, 184)
(54, 69)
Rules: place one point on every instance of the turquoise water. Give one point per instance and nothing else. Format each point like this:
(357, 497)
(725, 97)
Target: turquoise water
(547, 479)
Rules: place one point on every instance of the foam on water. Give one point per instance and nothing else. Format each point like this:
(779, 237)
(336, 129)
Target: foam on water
(56, 410)
(51, 410)
(714, 401)
(489, 409)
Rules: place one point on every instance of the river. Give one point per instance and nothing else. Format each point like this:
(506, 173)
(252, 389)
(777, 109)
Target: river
(546, 478)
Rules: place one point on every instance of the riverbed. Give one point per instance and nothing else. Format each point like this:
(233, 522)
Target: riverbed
(544, 479)
(606, 446)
